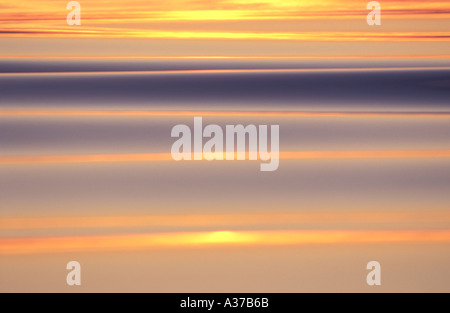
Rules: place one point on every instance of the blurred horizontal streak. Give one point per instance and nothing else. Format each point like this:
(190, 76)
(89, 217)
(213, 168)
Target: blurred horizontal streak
(146, 113)
(149, 157)
(226, 35)
(364, 154)
(350, 57)
(94, 158)
(222, 220)
(230, 71)
(245, 10)
(124, 242)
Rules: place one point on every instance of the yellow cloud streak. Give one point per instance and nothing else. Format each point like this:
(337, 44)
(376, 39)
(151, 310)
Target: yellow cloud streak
(216, 10)
(230, 35)
(47, 19)
(14, 246)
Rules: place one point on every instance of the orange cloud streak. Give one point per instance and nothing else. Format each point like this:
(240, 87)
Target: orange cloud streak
(229, 57)
(227, 71)
(11, 246)
(147, 113)
(151, 157)
(134, 18)
(231, 35)
(221, 220)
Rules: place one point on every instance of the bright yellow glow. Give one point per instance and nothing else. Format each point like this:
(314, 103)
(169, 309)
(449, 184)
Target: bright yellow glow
(227, 237)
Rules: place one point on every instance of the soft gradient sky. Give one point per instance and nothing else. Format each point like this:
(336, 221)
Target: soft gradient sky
(85, 170)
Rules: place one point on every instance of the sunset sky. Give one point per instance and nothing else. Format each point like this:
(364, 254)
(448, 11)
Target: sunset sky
(224, 28)
(86, 172)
